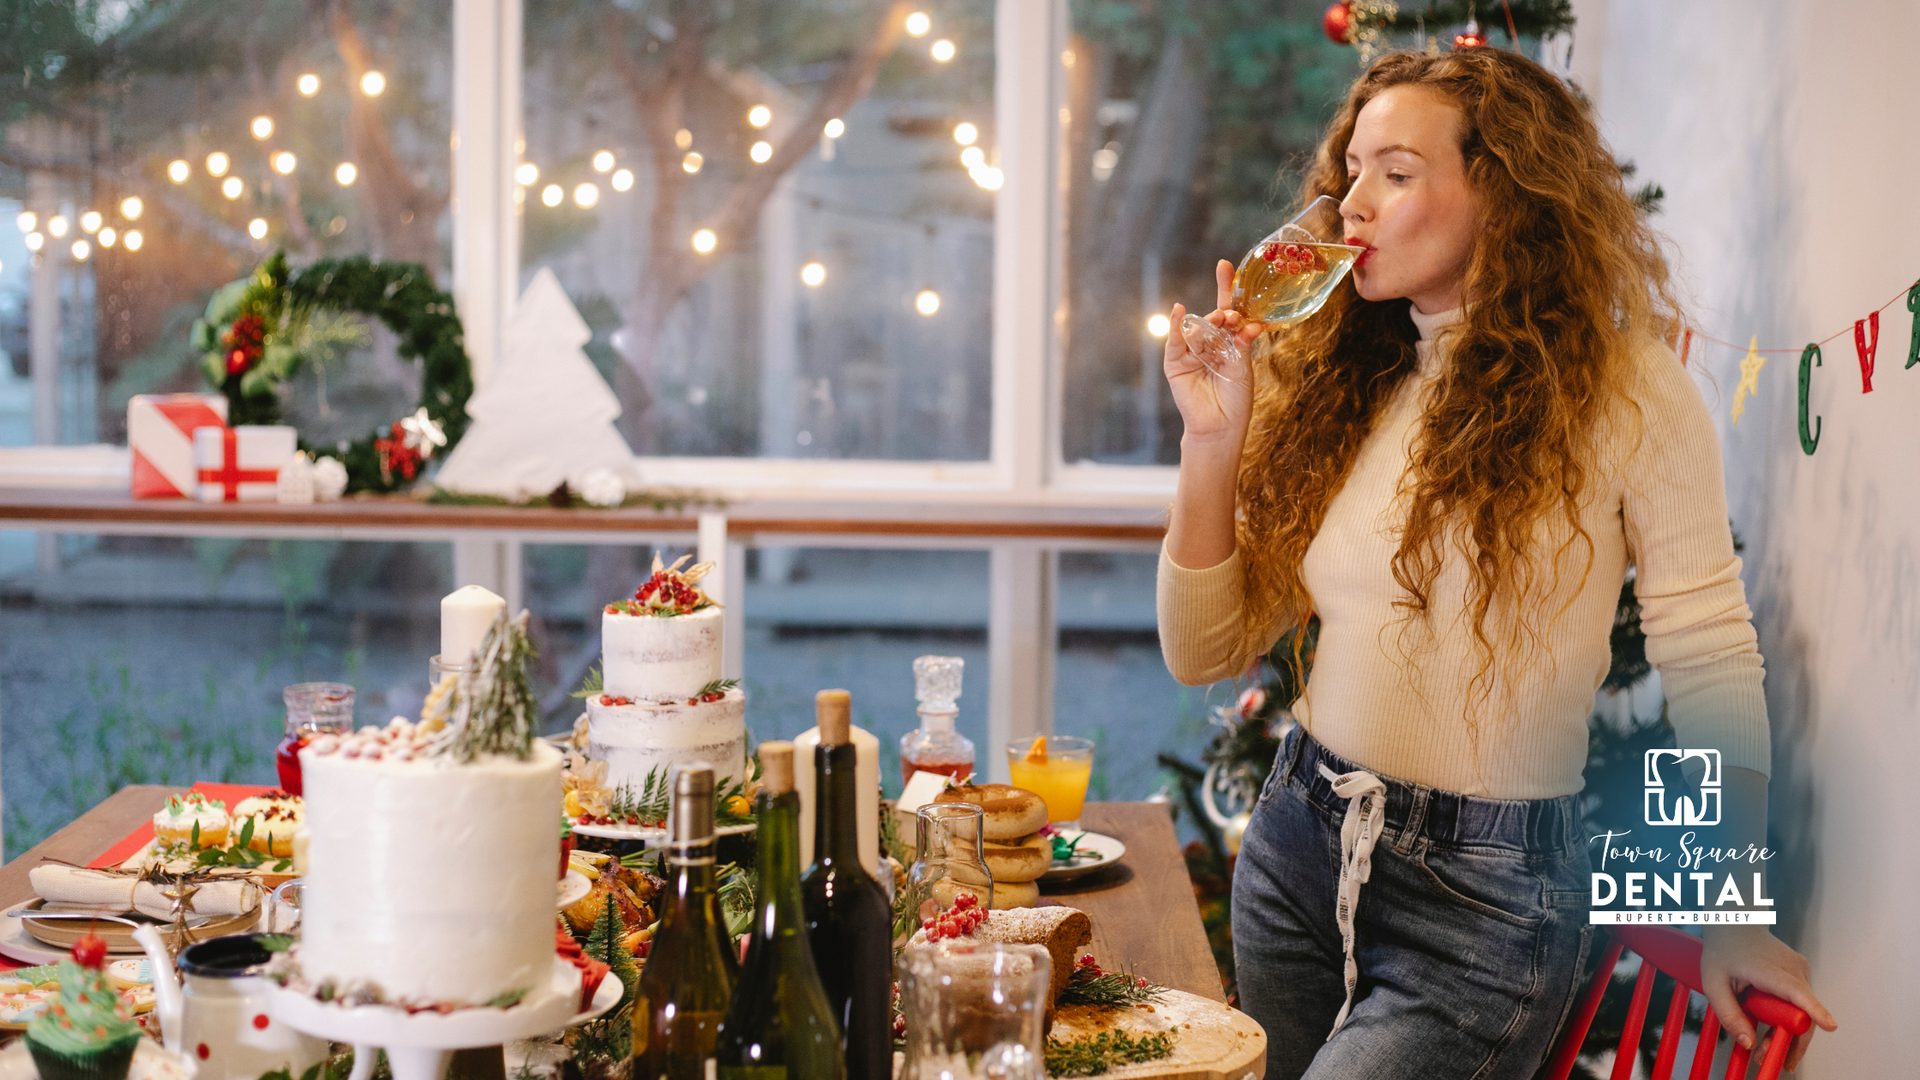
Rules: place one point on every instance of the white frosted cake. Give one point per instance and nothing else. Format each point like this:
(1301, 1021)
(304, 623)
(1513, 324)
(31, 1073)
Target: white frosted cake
(663, 702)
(427, 880)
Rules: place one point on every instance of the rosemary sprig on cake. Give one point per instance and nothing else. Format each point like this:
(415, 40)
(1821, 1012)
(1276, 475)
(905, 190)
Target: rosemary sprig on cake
(1096, 1054)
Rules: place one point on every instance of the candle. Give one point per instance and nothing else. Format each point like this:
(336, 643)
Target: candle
(466, 614)
(866, 772)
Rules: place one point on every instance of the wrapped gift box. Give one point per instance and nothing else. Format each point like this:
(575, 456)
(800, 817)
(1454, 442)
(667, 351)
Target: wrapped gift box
(160, 434)
(241, 464)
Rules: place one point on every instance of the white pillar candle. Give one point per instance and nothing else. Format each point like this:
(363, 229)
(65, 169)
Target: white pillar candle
(466, 614)
(866, 772)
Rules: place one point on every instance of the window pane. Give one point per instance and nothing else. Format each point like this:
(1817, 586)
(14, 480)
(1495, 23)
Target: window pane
(1187, 129)
(141, 660)
(1110, 683)
(206, 122)
(830, 301)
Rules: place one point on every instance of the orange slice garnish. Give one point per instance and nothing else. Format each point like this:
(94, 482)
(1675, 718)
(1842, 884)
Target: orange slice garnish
(1038, 755)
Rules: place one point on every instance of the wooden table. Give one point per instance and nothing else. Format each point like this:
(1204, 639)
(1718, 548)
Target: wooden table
(1143, 910)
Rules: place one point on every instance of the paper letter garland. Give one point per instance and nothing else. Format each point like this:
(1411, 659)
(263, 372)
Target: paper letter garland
(1809, 359)
(1913, 305)
(1749, 378)
(1866, 349)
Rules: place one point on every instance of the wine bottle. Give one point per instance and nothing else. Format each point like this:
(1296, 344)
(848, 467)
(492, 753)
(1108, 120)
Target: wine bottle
(849, 921)
(691, 969)
(780, 1025)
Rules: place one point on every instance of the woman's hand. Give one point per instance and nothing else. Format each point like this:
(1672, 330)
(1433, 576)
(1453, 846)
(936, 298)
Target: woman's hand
(1736, 957)
(1214, 404)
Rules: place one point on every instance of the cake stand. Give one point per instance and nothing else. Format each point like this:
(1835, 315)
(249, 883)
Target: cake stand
(419, 1044)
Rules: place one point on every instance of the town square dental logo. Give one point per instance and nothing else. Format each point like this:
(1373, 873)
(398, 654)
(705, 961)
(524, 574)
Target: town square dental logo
(1682, 869)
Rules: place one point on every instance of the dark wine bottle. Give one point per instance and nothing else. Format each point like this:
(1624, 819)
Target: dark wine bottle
(691, 969)
(780, 1025)
(849, 920)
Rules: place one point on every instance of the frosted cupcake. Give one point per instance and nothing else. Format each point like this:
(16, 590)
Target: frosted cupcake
(177, 822)
(276, 817)
(85, 1033)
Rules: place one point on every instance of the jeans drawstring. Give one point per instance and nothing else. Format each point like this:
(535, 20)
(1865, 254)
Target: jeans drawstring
(1366, 796)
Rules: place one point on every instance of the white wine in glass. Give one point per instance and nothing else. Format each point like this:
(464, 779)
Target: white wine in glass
(1284, 279)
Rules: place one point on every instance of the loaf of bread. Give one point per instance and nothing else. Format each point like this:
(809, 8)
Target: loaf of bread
(1063, 931)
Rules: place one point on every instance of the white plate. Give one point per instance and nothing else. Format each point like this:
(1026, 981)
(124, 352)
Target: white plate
(150, 1062)
(1105, 849)
(606, 997)
(647, 833)
(572, 888)
(17, 944)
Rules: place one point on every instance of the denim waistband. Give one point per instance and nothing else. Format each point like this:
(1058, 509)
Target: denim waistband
(1546, 828)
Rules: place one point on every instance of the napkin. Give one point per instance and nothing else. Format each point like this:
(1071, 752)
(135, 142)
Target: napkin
(74, 885)
(213, 898)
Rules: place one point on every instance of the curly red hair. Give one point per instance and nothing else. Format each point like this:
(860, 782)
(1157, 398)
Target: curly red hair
(1564, 276)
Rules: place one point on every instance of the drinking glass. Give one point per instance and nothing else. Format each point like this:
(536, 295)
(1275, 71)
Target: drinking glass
(975, 1010)
(1284, 279)
(947, 862)
(1056, 768)
(312, 708)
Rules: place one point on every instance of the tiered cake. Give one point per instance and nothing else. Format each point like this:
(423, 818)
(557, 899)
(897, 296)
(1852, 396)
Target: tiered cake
(429, 865)
(663, 702)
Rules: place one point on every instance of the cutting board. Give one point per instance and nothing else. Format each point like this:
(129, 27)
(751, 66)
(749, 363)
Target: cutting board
(1211, 1041)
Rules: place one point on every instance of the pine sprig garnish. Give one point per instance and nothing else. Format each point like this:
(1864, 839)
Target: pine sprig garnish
(717, 686)
(1096, 1054)
(592, 686)
(1089, 985)
(494, 710)
(649, 806)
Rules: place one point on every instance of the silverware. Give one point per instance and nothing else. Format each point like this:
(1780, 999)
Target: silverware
(93, 916)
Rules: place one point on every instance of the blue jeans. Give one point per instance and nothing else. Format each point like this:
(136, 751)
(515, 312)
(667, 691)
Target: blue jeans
(1469, 936)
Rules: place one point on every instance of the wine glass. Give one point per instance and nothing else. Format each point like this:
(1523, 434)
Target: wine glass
(1284, 279)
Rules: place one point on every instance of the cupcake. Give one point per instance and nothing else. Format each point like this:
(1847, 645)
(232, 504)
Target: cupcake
(276, 817)
(192, 819)
(85, 1033)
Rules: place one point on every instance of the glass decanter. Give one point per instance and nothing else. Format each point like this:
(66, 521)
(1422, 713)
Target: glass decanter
(935, 746)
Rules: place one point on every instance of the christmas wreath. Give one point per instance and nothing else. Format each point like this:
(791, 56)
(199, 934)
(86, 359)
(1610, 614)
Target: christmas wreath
(259, 331)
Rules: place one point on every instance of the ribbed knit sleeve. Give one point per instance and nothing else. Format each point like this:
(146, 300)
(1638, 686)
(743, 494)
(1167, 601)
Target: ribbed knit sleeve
(1199, 616)
(1693, 605)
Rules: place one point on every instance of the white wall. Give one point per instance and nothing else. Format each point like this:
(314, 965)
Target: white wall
(1787, 138)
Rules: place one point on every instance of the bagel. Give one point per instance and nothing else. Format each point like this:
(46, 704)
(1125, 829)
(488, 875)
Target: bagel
(1008, 894)
(1008, 812)
(1024, 859)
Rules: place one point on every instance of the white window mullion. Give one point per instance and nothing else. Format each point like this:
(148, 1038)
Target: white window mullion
(486, 146)
(1028, 37)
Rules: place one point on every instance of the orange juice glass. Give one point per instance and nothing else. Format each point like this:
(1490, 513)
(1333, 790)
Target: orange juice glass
(1056, 768)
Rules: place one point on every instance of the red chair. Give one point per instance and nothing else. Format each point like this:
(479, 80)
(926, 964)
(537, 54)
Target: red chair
(1678, 954)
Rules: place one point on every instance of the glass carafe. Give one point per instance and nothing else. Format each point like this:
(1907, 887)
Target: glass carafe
(947, 863)
(975, 1010)
(313, 708)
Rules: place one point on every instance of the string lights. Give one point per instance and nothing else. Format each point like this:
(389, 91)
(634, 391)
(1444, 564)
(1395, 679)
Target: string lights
(704, 241)
(942, 51)
(178, 171)
(217, 163)
(262, 127)
(283, 162)
(345, 173)
(131, 207)
(373, 84)
(308, 84)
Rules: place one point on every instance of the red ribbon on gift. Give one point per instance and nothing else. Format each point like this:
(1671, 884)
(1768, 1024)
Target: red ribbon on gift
(230, 475)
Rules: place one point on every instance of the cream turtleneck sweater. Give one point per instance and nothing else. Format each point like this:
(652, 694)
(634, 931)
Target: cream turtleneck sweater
(1383, 695)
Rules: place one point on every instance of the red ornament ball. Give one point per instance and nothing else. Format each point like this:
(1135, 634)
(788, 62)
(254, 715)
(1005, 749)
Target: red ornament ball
(90, 951)
(1338, 23)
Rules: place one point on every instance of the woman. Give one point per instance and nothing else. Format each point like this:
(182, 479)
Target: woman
(1452, 465)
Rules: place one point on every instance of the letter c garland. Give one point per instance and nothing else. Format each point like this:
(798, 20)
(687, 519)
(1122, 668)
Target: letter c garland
(258, 332)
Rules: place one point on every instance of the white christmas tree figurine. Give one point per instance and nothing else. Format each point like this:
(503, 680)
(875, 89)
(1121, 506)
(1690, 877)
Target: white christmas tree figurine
(546, 416)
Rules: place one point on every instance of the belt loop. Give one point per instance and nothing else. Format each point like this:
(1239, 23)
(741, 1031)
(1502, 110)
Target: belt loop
(1416, 820)
(1294, 751)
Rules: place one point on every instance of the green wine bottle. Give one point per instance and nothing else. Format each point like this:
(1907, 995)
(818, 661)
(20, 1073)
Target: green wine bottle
(779, 1025)
(849, 920)
(691, 968)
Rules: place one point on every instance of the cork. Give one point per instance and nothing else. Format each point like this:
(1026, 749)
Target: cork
(776, 767)
(833, 711)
